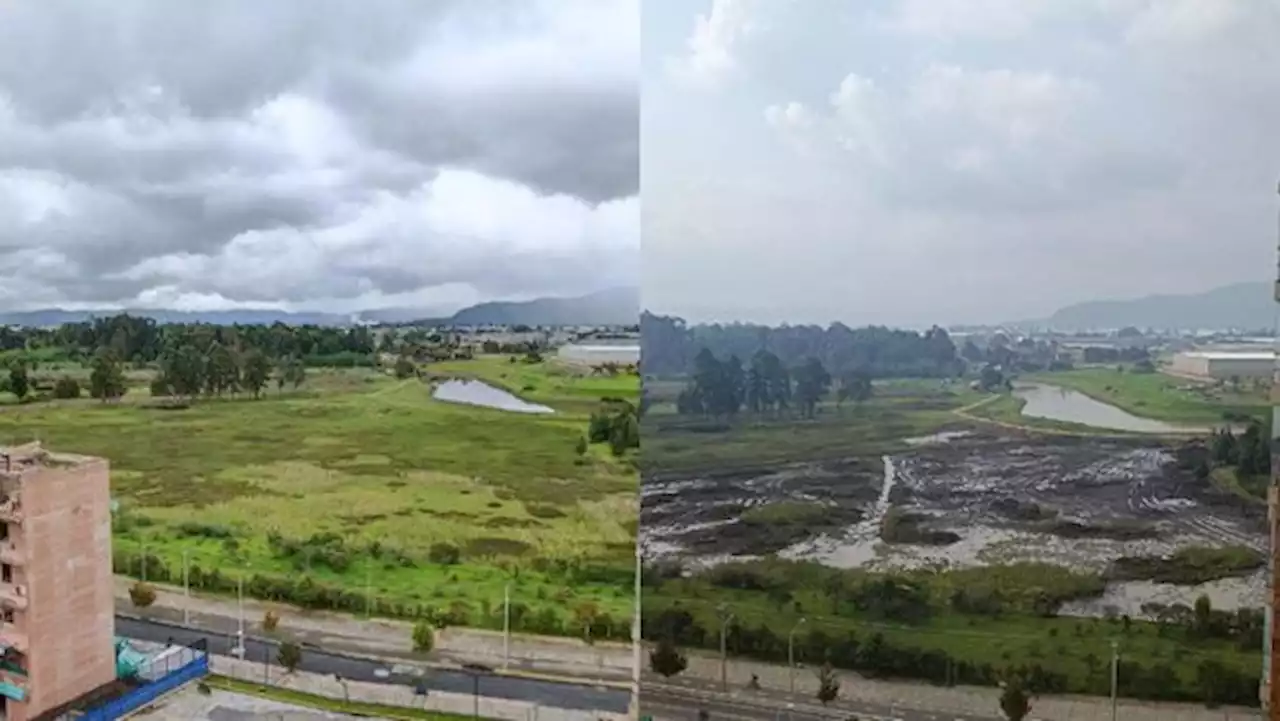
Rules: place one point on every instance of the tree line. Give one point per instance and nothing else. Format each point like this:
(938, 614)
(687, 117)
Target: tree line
(765, 386)
(670, 347)
(139, 341)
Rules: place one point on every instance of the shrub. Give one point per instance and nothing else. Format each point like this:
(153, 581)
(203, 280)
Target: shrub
(424, 637)
(66, 387)
(289, 655)
(270, 620)
(142, 594)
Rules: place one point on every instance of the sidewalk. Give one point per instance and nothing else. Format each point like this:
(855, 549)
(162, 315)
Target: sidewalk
(442, 701)
(561, 657)
(703, 673)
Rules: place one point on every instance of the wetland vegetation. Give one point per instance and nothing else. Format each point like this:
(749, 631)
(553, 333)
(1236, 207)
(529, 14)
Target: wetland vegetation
(352, 488)
(970, 525)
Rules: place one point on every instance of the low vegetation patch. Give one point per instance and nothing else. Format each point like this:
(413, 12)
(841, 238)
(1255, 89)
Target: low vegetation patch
(1188, 566)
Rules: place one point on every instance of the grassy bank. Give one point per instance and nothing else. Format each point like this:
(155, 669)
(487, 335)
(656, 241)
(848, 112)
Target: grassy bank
(364, 481)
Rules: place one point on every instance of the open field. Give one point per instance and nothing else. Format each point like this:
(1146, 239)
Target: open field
(360, 481)
(958, 492)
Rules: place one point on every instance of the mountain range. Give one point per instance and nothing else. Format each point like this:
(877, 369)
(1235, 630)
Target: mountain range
(616, 306)
(1245, 306)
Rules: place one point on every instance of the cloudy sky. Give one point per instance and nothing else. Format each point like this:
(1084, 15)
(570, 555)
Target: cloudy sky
(325, 154)
(953, 160)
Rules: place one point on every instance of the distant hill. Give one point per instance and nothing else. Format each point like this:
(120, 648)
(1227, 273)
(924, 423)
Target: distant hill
(618, 306)
(48, 317)
(1243, 306)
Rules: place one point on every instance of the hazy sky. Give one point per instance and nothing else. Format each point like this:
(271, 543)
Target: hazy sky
(953, 160)
(324, 154)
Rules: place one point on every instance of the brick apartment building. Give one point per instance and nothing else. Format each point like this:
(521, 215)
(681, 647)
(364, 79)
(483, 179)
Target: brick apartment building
(57, 622)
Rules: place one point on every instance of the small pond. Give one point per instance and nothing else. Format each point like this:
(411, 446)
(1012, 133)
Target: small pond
(1068, 406)
(477, 393)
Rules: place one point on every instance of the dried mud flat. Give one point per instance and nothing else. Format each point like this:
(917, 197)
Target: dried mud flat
(1076, 502)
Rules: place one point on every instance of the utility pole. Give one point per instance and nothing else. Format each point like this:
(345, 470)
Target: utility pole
(240, 653)
(506, 626)
(368, 592)
(636, 645)
(724, 648)
(1115, 676)
(791, 655)
(144, 562)
(186, 588)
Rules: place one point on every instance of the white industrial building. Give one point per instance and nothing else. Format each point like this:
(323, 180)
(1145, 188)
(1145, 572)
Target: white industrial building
(1224, 364)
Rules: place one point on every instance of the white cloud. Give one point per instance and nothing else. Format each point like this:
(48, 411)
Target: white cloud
(484, 232)
(984, 19)
(1019, 106)
(711, 51)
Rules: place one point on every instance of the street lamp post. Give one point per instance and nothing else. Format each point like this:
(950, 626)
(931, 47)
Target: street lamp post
(724, 649)
(506, 626)
(791, 655)
(239, 651)
(1115, 676)
(186, 588)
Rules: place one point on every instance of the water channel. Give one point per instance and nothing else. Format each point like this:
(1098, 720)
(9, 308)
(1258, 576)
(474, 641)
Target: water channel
(477, 393)
(1060, 404)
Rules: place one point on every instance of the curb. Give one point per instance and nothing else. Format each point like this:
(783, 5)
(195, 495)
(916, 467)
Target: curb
(391, 660)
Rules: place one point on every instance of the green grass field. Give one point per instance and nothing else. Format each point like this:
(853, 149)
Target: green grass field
(1159, 396)
(383, 467)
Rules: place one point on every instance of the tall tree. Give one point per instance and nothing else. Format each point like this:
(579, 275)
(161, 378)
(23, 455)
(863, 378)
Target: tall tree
(19, 381)
(106, 380)
(256, 371)
(812, 384)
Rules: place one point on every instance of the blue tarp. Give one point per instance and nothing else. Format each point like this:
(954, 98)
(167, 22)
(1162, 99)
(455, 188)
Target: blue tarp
(11, 691)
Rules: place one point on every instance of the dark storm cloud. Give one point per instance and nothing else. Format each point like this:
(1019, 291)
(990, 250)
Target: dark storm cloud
(138, 130)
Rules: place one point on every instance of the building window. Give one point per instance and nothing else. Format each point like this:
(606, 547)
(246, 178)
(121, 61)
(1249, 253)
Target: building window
(4, 531)
(8, 615)
(6, 573)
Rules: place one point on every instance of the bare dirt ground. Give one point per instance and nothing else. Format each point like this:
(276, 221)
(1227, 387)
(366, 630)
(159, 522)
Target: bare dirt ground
(1076, 502)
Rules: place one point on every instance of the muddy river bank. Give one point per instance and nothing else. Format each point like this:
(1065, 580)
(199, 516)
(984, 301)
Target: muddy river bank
(992, 499)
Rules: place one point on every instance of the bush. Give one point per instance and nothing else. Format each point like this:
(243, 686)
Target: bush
(142, 594)
(270, 620)
(66, 387)
(424, 637)
(445, 554)
(289, 656)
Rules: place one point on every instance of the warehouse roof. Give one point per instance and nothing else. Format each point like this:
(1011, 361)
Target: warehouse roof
(1233, 355)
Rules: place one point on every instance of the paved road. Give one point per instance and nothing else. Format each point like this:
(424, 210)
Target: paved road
(546, 693)
(225, 625)
(672, 703)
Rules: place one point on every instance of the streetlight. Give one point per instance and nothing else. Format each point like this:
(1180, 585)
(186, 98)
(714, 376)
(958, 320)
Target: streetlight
(506, 626)
(791, 655)
(476, 670)
(238, 651)
(725, 620)
(1115, 675)
(186, 588)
